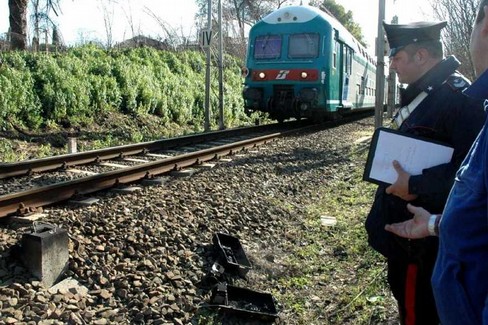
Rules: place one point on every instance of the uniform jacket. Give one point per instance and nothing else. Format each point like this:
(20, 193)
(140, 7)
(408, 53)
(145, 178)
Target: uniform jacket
(445, 115)
(460, 275)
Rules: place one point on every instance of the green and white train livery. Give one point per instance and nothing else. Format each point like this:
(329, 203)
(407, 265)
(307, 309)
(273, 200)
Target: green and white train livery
(301, 62)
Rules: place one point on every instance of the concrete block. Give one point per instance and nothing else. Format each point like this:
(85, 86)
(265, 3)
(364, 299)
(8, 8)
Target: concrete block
(72, 145)
(45, 253)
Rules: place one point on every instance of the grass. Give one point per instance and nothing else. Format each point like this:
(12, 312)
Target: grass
(335, 277)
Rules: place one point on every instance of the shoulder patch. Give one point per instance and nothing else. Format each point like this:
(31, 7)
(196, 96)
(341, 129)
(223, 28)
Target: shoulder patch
(457, 82)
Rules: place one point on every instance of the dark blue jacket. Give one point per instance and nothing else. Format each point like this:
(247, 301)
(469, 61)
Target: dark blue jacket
(445, 115)
(460, 278)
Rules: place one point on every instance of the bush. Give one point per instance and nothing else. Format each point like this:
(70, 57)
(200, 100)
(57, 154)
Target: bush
(18, 101)
(73, 88)
(63, 88)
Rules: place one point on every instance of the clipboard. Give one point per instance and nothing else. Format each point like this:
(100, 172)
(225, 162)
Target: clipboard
(414, 153)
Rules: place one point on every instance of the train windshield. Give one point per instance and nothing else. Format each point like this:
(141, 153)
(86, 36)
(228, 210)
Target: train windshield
(303, 46)
(267, 47)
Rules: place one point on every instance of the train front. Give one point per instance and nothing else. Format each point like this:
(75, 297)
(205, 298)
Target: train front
(287, 62)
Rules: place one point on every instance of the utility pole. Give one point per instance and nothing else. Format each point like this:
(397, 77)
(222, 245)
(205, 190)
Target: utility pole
(392, 85)
(221, 72)
(207, 71)
(380, 67)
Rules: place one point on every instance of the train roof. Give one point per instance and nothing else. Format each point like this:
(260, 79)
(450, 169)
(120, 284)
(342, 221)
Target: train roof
(304, 13)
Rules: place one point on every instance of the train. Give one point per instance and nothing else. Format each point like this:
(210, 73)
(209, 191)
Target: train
(302, 63)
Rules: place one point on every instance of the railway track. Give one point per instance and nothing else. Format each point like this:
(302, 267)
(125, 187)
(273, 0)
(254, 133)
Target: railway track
(28, 167)
(133, 163)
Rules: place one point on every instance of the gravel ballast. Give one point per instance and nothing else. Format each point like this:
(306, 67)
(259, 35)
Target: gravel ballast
(144, 257)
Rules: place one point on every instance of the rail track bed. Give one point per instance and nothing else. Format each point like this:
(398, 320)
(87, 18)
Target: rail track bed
(58, 178)
(142, 257)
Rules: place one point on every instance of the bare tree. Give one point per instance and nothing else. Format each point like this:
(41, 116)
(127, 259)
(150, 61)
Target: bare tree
(460, 14)
(18, 23)
(41, 18)
(173, 37)
(108, 19)
(242, 12)
(130, 20)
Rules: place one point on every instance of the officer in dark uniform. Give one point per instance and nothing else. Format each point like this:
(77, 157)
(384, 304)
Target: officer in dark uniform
(432, 106)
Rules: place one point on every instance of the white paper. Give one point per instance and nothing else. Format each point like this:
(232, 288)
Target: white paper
(413, 155)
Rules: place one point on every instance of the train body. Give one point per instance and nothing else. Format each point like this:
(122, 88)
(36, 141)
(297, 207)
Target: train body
(301, 62)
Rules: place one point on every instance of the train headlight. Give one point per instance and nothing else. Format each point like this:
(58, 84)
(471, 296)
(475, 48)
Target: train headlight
(304, 75)
(262, 75)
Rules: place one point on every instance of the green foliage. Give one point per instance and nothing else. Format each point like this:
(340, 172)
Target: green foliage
(63, 88)
(18, 101)
(105, 93)
(73, 88)
(343, 16)
(7, 152)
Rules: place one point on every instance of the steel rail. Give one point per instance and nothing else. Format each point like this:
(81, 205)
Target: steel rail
(27, 167)
(30, 200)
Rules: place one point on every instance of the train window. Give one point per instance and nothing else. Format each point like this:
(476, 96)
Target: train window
(334, 55)
(303, 46)
(349, 61)
(267, 47)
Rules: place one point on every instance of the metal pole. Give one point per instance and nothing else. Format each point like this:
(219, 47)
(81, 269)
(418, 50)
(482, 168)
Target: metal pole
(391, 94)
(380, 68)
(221, 72)
(392, 85)
(207, 72)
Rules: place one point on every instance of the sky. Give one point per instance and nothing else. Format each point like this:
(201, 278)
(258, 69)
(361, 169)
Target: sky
(84, 19)
(365, 13)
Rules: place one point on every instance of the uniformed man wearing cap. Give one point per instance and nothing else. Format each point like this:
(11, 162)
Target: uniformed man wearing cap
(432, 106)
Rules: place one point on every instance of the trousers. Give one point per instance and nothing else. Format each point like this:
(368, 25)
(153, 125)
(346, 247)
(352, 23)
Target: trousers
(410, 283)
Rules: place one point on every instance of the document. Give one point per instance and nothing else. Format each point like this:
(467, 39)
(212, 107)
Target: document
(412, 152)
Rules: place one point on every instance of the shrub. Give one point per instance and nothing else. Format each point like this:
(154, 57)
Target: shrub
(18, 101)
(72, 88)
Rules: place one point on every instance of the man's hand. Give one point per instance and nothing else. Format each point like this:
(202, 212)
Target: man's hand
(400, 187)
(415, 228)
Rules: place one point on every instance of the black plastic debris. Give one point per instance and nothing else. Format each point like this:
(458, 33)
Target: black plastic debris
(231, 254)
(243, 302)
